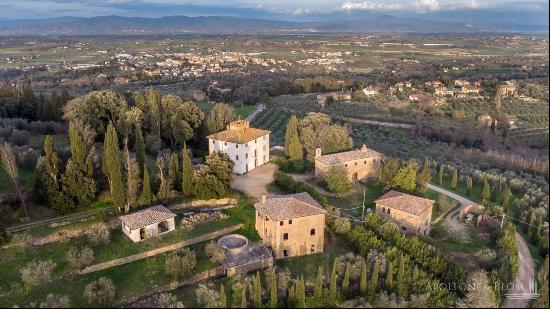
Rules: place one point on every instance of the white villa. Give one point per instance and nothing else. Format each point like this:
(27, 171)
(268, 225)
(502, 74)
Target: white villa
(146, 223)
(247, 147)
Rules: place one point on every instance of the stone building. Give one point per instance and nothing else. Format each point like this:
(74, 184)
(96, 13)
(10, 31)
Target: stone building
(412, 214)
(360, 164)
(146, 223)
(247, 147)
(292, 225)
(242, 257)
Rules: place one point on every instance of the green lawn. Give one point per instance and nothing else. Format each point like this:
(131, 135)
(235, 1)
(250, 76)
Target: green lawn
(450, 245)
(26, 177)
(373, 190)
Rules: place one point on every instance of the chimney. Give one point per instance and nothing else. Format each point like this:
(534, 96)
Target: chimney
(264, 199)
(318, 152)
(364, 148)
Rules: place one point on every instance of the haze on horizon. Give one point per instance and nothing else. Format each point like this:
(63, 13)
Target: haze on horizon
(533, 12)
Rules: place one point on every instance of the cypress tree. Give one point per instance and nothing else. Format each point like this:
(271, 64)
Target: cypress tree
(174, 170)
(363, 284)
(140, 149)
(373, 284)
(425, 176)
(319, 283)
(506, 199)
(291, 129)
(257, 290)
(301, 292)
(78, 149)
(223, 297)
(292, 296)
(440, 174)
(295, 150)
(243, 298)
(485, 191)
(402, 284)
(454, 180)
(146, 193)
(187, 176)
(345, 281)
(111, 166)
(389, 277)
(332, 288)
(273, 296)
(415, 274)
(469, 184)
(51, 159)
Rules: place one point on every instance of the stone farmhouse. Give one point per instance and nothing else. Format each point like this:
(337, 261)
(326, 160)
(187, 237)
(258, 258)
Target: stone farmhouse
(360, 164)
(147, 223)
(292, 225)
(412, 214)
(247, 147)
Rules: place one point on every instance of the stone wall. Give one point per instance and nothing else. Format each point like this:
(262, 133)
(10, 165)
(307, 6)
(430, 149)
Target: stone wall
(158, 251)
(205, 203)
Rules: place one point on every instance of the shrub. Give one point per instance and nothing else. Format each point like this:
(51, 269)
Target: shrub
(290, 185)
(207, 296)
(79, 259)
(100, 292)
(167, 300)
(181, 264)
(56, 301)
(37, 272)
(337, 181)
(214, 252)
(294, 166)
(99, 235)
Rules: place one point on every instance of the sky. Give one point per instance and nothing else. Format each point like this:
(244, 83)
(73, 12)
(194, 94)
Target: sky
(273, 9)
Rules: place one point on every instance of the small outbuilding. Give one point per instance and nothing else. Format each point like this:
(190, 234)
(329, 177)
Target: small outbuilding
(147, 223)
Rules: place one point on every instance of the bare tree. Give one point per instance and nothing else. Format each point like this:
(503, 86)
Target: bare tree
(10, 165)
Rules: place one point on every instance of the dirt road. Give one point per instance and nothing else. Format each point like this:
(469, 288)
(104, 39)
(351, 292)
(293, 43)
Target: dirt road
(526, 271)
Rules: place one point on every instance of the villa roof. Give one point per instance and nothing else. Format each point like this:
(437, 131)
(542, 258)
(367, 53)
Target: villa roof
(145, 217)
(405, 202)
(284, 207)
(353, 155)
(239, 136)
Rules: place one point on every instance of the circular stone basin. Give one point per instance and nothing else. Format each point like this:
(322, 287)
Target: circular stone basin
(233, 243)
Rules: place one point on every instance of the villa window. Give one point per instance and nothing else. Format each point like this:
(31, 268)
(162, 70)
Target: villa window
(312, 232)
(236, 145)
(365, 161)
(281, 223)
(383, 210)
(389, 211)
(285, 236)
(290, 221)
(237, 158)
(404, 229)
(285, 252)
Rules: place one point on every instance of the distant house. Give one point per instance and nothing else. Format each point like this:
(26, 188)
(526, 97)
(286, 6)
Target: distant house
(419, 97)
(147, 223)
(508, 89)
(334, 96)
(469, 89)
(461, 82)
(360, 164)
(412, 214)
(485, 120)
(292, 225)
(370, 91)
(443, 91)
(247, 147)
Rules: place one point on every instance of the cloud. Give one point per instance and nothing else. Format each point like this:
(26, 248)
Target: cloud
(419, 6)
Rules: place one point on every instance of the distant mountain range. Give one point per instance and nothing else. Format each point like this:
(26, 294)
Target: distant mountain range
(118, 25)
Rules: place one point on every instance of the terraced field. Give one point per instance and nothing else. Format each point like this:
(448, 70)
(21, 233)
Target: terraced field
(275, 120)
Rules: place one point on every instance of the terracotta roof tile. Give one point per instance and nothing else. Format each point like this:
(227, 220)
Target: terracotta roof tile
(405, 202)
(353, 155)
(145, 217)
(284, 207)
(239, 136)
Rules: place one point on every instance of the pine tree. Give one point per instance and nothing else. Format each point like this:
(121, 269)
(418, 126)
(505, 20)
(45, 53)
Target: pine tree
(345, 281)
(402, 284)
(485, 191)
(319, 283)
(363, 283)
(373, 283)
(425, 176)
(146, 197)
(389, 277)
(273, 297)
(174, 170)
(469, 184)
(187, 176)
(139, 147)
(332, 288)
(165, 192)
(223, 297)
(257, 290)
(440, 174)
(454, 180)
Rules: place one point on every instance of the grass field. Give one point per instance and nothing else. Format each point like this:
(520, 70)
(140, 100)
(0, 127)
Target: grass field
(26, 177)
(275, 120)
